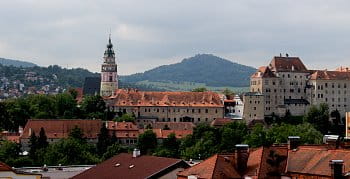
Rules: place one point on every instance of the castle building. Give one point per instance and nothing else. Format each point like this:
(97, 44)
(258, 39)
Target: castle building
(288, 86)
(196, 107)
(109, 75)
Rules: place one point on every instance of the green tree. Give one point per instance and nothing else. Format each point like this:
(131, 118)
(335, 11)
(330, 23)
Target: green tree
(114, 138)
(125, 118)
(33, 145)
(9, 151)
(93, 107)
(231, 134)
(66, 106)
(42, 140)
(104, 140)
(77, 134)
(70, 152)
(228, 93)
(147, 142)
(201, 89)
(113, 150)
(257, 136)
(319, 117)
(169, 148)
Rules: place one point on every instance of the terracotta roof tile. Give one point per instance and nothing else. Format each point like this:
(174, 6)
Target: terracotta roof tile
(287, 64)
(143, 167)
(315, 160)
(263, 72)
(330, 75)
(60, 128)
(174, 125)
(149, 98)
(220, 122)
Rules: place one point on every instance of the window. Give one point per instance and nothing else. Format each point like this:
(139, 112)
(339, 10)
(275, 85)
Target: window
(206, 110)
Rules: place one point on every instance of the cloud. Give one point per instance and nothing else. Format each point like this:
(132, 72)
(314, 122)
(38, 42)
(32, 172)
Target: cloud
(151, 33)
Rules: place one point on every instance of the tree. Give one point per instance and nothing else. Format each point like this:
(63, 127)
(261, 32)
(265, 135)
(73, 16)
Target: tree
(66, 106)
(201, 89)
(114, 138)
(318, 116)
(70, 151)
(73, 92)
(93, 107)
(113, 150)
(125, 118)
(228, 93)
(77, 133)
(231, 134)
(104, 140)
(33, 144)
(257, 136)
(169, 148)
(42, 140)
(147, 142)
(9, 151)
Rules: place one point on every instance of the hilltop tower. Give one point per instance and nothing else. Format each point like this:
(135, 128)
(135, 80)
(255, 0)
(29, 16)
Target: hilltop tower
(109, 75)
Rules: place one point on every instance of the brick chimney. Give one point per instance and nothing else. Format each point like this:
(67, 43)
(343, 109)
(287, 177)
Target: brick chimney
(293, 142)
(336, 168)
(242, 156)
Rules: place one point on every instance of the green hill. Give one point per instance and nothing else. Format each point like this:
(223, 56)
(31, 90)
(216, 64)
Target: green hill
(16, 63)
(203, 68)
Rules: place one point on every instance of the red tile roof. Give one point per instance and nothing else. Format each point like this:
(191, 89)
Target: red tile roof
(216, 166)
(263, 72)
(79, 94)
(330, 75)
(174, 125)
(220, 122)
(149, 98)
(287, 64)
(315, 160)
(163, 134)
(143, 167)
(123, 129)
(60, 128)
(273, 161)
(5, 167)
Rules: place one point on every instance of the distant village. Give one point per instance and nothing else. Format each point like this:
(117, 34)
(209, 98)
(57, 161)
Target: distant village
(285, 88)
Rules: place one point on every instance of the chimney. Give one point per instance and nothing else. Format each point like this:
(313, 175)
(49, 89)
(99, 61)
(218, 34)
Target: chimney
(332, 141)
(293, 142)
(242, 156)
(136, 153)
(336, 168)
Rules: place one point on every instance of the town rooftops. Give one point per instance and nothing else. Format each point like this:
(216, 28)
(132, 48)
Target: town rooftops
(219, 122)
(126, 166)
(173, 125)
(130, 97)
(264, 72)
(330, 75)
(314, 160)
(60, 128)
(287, 64)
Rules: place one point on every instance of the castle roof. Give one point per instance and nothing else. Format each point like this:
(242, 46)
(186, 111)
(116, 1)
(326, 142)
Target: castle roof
(263, 72)
(330, 75)
(287, 64)
(151, 98)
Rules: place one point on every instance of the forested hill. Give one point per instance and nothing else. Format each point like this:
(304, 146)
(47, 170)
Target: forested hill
(203, 68)
(50, 75)
(15, 63)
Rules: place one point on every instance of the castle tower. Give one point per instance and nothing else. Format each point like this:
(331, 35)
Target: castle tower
(109, 76)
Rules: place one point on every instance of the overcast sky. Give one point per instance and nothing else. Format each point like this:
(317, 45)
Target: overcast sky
(150, 33)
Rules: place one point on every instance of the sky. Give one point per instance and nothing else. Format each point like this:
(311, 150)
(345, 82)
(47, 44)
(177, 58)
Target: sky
(149, 33)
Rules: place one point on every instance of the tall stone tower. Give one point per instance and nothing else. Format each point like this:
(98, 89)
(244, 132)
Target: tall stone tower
(109, 76)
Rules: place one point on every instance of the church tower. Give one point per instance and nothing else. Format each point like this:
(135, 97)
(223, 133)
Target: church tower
(109, 76)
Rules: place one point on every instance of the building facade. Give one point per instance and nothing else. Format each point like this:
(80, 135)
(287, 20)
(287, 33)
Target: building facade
(193, 107)
(288, 86)
(109, 75)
